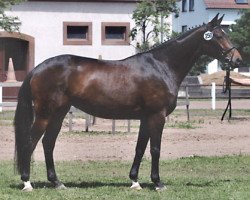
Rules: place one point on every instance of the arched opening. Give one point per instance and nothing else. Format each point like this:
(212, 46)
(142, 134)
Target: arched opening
(19, 47)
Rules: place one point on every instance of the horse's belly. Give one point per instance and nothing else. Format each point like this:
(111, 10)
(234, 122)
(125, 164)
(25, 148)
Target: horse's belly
(109, 109)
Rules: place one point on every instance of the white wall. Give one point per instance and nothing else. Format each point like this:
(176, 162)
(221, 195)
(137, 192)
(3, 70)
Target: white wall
(190, 18)
(44, 21)
(230, 15)
(202, 15)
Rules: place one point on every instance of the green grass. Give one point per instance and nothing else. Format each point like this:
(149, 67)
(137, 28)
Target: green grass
(6, 118)
(189, 178)
(181, 125)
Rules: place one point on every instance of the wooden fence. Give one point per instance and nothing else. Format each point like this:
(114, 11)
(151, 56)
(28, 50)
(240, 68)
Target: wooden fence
(6, 85)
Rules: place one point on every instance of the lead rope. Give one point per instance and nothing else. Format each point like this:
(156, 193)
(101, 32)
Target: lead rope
(227, 87)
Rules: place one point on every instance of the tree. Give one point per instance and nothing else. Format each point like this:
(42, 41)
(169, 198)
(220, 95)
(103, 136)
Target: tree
(200, 66)
(240, 35)
(149, 17)
(8, 23)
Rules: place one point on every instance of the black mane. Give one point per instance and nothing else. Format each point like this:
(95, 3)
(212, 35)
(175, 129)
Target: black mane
(171, 40)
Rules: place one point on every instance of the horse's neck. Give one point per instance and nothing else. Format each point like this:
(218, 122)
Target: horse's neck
(180, 55)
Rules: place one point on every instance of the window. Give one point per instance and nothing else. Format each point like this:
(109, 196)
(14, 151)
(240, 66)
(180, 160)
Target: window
(184, 5)
(241, 1)
(184, 28)
(77, 33)
(115, 33)
(191, 5)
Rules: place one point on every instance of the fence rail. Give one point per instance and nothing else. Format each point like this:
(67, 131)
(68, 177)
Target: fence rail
(7, 85)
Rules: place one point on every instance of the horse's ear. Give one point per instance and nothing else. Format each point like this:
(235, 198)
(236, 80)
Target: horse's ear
(220, 20)
(214, 21)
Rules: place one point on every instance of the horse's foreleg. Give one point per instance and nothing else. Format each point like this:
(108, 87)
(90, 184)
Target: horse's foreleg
(37, 131)
(140, 149)
(48, 141)
(156, 124)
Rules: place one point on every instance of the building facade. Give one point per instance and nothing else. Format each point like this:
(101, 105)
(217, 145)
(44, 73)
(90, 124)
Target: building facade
(96, 29)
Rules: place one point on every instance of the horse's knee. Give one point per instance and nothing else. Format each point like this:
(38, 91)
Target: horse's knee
(155, 152)
(139, 152)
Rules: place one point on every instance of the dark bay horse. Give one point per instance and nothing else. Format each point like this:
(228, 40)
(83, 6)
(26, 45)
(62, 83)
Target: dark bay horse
(143, 87)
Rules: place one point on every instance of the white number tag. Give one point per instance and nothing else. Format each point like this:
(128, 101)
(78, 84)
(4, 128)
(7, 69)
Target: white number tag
(208, 35)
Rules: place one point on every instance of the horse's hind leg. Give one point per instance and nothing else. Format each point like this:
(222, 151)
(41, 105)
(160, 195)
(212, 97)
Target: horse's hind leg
(37, 131)
(156, 123)
(142, 142)
(49, 140)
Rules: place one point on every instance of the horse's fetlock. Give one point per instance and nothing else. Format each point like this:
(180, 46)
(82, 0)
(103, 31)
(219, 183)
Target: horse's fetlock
(133, 175)
(155, 178)
(25, 177)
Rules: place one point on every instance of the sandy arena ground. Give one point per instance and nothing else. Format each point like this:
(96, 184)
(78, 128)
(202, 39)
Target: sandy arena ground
(210, 138)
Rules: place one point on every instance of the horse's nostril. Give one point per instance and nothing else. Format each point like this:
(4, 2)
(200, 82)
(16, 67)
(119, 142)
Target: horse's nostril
(239, 62)
(227, 60)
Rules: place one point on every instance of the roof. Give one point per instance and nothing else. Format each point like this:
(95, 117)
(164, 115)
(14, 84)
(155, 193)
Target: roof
(225, 4)
(124, 1)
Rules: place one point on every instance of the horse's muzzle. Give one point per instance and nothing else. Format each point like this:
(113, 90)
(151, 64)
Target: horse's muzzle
(234, 58)
(238, 63)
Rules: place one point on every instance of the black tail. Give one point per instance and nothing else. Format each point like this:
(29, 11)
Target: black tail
(22, 123)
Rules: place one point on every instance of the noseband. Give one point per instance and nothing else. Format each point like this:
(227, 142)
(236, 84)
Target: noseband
(225, 54)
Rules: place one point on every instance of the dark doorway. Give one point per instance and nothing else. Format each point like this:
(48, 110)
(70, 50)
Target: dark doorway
(19, 47)
(18, 51)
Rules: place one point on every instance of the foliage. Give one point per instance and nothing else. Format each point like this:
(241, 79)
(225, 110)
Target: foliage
(240, 35)
(200, 65)
(150, 17)
(186, 178)
(8, 23)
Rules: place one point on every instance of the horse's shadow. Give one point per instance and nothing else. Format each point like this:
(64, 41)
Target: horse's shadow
(84, 185)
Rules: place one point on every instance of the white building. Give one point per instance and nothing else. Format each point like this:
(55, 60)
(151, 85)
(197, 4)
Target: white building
(196, 12)
(90, 28)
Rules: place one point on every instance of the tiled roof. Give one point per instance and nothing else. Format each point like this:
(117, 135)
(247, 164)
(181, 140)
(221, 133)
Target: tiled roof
(225, 4)
(87, 0)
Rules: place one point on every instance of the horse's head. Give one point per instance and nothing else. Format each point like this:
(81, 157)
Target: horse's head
(217, 44)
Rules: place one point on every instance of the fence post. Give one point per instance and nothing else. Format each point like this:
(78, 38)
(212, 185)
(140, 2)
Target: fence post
(213, 95)
(87, 122)
(187, 103)
(129, 125)
(70, 120)
(113, 126)
(1, 98)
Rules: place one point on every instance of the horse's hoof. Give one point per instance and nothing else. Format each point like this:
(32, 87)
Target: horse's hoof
(27, 187)
(61, 187)
(160, 187)
(136, 186)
